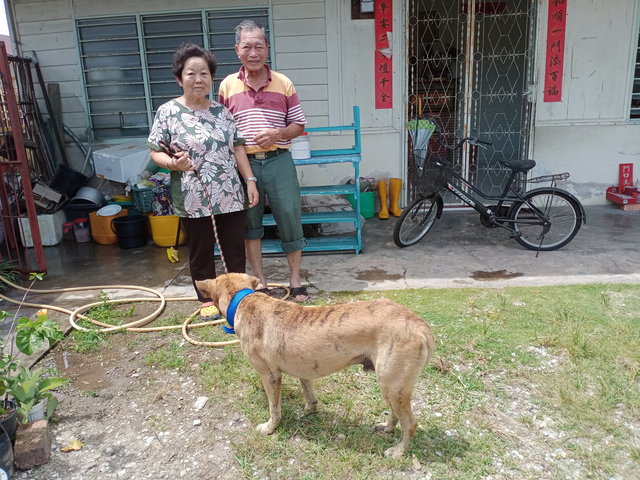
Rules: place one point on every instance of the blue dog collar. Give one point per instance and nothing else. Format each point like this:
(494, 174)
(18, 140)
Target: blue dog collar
(233, 306)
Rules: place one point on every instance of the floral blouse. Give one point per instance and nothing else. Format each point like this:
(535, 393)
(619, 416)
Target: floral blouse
(209, 136)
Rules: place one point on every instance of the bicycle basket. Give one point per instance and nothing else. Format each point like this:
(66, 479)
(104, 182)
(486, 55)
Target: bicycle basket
(427, 177)
(432, 178)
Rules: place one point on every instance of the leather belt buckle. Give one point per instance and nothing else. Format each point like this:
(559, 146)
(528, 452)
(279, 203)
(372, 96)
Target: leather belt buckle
(260, 155)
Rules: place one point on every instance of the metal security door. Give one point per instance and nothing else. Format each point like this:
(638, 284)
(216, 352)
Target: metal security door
(470, 64)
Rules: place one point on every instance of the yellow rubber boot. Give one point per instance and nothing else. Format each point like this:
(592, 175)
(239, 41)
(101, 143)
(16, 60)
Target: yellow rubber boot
(383, 214)
(395, 187)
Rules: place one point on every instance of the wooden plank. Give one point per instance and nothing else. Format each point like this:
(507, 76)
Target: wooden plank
(310, 43)
(53, 26)
(53, 90)
(292, 28)
(315, 108)
(299, 10)
(309, 76)
(312, 92)
(313, 120)
(49, 41)
(66, 75)
(302, 60)
(64, 57)
(42, 10)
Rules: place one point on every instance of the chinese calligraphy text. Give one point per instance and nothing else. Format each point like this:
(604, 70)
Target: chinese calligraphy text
(554, 65)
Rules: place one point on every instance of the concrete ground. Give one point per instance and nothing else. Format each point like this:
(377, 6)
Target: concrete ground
(457, 252)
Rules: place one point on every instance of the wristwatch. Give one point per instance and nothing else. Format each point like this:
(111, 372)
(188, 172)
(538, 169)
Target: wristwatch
(252, 179)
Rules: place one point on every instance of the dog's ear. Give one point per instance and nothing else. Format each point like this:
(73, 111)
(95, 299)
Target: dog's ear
(254, 282)
(205, 287)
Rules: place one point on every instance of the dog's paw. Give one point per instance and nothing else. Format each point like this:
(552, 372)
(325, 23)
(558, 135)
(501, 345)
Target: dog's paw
(266, 428)
(394, 452)
(311, 407)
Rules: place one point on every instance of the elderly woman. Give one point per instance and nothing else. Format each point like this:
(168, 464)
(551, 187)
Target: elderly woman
(196, 139)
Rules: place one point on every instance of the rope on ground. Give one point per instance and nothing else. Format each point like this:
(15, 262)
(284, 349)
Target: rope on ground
(135, 326)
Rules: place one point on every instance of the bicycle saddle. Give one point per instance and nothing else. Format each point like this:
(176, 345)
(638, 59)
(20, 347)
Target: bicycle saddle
(519, 166)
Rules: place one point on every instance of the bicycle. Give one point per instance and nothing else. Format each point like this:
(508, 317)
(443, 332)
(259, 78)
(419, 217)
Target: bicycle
(542, 219)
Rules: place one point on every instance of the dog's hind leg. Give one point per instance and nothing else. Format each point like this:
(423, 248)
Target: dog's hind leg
(400, 403)
(310, 401)
(408, 423)
(396, 384)
(272, 382)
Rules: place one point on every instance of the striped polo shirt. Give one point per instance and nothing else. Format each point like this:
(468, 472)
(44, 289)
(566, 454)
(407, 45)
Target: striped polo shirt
(274, 105)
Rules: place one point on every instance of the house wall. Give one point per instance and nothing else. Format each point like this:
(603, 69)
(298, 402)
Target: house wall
(589, 132)
(328, 56)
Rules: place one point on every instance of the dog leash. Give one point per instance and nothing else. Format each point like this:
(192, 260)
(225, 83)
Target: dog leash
(233, 306)
(169, 150)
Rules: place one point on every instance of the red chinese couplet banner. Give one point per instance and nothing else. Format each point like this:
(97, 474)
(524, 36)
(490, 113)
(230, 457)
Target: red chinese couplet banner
(384, 70)
(554, 68)
(625, 176)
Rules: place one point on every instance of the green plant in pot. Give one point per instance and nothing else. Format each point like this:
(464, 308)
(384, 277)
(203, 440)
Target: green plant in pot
(8, 407)
(31, 387)
(17, 382)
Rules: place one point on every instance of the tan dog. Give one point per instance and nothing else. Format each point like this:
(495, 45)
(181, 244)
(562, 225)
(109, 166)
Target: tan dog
(312, 342)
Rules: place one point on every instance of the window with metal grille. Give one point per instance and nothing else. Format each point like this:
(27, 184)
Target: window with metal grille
(126, 62)
(635, 94)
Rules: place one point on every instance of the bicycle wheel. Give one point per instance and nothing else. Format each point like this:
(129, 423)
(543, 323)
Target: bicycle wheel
(562, 214)
(415, 221)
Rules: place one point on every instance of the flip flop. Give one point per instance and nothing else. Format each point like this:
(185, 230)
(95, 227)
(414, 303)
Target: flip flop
(299, 291)
(262, 290)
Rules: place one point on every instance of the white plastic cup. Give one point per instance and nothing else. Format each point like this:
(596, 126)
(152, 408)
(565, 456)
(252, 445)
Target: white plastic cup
(300, 147)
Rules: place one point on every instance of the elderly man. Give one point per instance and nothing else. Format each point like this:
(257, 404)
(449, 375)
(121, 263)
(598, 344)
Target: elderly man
(268, 114)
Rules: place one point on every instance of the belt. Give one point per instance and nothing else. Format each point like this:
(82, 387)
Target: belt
(265, 155)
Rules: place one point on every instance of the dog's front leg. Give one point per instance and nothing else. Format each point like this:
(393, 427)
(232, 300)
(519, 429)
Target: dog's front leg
(271, 382)
(310, 401)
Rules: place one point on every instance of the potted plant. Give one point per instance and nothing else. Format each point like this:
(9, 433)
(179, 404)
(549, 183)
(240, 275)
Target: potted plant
(17, 382)
(31, 390)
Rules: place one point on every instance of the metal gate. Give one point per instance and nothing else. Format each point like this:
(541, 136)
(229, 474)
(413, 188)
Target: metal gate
(470, 64)
(17, 207)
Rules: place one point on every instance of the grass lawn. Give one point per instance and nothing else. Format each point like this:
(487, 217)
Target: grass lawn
(526, 383)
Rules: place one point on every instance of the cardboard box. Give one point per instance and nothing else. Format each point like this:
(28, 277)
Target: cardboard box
(46, 197)
(122, 162)
(50, 229)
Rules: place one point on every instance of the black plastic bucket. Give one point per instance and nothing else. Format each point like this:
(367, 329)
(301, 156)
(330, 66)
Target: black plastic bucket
(131, 230)
(6, 455)
(9, 422)
(67, 181)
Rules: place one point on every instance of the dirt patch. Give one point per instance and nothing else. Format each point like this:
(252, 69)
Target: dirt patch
(138, 421)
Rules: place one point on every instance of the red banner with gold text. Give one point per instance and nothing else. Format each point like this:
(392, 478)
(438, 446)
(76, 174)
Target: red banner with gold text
(383, 64)
(554, 68)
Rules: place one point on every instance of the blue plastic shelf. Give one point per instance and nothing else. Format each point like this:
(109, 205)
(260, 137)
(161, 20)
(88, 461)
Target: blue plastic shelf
(325, 157)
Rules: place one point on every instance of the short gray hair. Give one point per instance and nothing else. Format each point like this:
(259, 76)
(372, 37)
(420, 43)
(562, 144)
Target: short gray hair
(247, 26)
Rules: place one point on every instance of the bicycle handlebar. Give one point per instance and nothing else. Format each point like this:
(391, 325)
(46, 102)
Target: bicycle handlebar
(472, 141)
